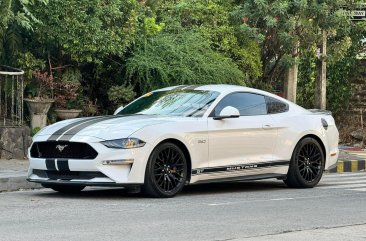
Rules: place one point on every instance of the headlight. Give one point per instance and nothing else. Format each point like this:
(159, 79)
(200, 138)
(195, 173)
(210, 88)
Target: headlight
(125, 143)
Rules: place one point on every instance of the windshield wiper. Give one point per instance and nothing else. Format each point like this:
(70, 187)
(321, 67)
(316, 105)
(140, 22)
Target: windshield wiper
(199, 109)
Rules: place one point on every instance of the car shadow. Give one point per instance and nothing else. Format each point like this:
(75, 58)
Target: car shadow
(231, 187)
(191, 190)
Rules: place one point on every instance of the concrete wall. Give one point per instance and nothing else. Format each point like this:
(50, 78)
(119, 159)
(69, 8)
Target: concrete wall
(14, 142)
(358, 99)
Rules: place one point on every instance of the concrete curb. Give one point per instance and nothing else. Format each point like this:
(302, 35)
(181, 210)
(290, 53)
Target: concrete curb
(14, 183)
(348, 166)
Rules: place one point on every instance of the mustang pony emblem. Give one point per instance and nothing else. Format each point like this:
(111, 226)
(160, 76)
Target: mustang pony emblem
(61, 147)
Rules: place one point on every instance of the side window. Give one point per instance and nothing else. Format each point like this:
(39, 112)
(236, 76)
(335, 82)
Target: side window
(275, 106)
(247, 104)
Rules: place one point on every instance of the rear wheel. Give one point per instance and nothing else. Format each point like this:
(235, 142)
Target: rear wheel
(166, 171)
(67, 189)
(307, 164)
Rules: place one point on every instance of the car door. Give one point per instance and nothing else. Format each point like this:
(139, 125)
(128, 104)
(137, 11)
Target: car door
(249, 139)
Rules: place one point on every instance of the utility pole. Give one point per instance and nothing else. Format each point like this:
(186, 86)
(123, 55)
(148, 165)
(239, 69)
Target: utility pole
(358, 14)
(321, 77)
(291, 78)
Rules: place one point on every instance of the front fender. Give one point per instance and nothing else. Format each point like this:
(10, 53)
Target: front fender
(193, 134)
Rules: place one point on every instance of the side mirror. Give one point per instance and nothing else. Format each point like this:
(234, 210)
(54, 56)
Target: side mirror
(228, 112)
(118, 110)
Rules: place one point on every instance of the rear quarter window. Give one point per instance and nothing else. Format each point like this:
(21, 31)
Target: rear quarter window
(275, 106)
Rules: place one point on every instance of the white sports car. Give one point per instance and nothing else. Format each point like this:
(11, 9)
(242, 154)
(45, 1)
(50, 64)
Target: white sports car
(185, 135)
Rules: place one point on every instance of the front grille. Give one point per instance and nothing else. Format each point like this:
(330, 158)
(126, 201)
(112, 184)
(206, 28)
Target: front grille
(67, 175)
(62, 149)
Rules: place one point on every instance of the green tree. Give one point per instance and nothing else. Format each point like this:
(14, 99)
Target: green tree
(92, 36)
(87, 31)
(280, 25)
(213, 20)
(15, 18)
(179, 57)
(341, 65)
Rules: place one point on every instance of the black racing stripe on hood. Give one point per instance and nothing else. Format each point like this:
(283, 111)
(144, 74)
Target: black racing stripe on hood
(66, 136)
(60, 131)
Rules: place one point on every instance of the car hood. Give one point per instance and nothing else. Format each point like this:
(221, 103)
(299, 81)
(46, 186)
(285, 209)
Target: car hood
(101, 127)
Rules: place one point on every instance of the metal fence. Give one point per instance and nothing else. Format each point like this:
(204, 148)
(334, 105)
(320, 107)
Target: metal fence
(11, 96)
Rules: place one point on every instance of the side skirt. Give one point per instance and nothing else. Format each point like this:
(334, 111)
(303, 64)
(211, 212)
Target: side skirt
(243, 178)
(250, 171)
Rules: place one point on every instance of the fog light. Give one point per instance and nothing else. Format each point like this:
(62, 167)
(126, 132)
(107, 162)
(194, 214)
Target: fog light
(118, 162)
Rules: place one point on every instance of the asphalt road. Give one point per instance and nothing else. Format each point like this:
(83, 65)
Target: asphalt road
(258, 210)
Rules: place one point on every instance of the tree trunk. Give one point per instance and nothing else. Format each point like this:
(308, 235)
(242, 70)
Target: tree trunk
(321, 78)
(290, 86)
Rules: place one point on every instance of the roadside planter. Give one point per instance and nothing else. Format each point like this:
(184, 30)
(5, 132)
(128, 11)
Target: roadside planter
(68, 102)
(65, 114)
(38, 111)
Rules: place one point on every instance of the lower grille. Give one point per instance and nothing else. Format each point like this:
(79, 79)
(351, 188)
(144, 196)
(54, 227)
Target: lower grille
(62, 149)
(67, 175)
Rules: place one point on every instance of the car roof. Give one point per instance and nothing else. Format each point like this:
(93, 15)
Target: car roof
(222, 88)
(213, 87)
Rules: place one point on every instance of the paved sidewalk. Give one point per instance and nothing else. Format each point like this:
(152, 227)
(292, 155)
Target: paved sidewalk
(13, 174)
(350, 160)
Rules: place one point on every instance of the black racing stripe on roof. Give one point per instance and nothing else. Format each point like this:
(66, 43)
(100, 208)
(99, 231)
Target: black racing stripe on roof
(179, 87)
(192, 87)
(187, 87)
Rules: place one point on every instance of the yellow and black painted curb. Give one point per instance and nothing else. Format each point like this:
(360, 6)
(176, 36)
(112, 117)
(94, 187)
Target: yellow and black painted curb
(349, 166)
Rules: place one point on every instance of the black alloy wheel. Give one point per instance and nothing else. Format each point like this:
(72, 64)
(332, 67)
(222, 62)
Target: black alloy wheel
(166, 171)
(309, 161)
(307, 164)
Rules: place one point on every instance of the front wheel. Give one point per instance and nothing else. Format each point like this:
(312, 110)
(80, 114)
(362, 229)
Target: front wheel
(67, 189)
(307, 164)
(166, 171)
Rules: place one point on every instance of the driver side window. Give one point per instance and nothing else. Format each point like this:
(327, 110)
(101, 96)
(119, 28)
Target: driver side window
(248, 104)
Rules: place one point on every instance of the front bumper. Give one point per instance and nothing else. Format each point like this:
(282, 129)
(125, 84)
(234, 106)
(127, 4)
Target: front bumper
(112, 167)
(83, 183)
(332, 158)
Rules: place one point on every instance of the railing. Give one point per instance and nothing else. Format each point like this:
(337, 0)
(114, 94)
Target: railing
(11, 96)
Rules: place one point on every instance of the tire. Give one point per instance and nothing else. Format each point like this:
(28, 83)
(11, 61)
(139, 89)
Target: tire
(306, 165)
(67, 189)
(166, 171)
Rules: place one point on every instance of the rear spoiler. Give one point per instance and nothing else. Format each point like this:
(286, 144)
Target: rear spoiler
(318, 111)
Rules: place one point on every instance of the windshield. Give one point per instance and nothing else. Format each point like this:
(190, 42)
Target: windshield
(189, 103)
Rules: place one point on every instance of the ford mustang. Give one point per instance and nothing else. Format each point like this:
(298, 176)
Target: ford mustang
(182, 135)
